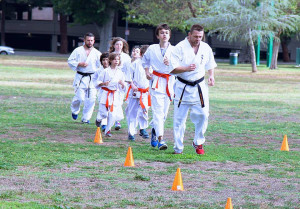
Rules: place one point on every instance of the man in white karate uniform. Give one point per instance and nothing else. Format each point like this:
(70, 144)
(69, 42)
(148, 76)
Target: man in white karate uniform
(157, 57)
(190, 59)
(84, 60)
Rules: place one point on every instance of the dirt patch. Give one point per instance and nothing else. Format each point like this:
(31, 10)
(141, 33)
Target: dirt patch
(204, 182)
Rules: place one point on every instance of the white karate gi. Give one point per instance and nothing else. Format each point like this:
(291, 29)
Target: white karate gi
(84, 89)
(114, 76)
(95, 78)
(160, 101)
(134, 112)
(183, 55)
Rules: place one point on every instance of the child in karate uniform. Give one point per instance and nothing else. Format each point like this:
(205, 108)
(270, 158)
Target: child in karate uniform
(157, 57)
(139, 98)
(120, 46)
(111, 81)
(104, 64)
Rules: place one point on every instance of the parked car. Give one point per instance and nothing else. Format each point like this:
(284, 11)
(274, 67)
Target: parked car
(6, 50)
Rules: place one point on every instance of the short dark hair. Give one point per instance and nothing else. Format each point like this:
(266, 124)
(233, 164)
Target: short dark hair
(143, 49)
(89, 34)
(112, 56)
(160, 27)
(196, 27)
(103, 55)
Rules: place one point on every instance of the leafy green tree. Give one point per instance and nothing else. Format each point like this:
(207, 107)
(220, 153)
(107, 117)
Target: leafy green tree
(173, 12)
(100, 13)
(283, 37)
(241, 20)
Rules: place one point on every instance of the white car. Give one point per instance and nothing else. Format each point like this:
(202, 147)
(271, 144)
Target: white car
(6, 50)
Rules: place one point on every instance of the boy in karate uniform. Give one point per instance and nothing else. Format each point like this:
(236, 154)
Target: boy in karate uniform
(157, 57)
(84, 60)
(110, 81)
(190, 59)
(139, 98)
(104, 64)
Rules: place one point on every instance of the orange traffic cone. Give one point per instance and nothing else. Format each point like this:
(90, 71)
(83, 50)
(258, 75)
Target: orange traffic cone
(98, 137)
(285, 145)
(129, 162)
(228, 204)
(177, 184)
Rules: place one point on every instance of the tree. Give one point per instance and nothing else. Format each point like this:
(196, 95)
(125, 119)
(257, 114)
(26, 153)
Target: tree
(99, 13)
(61, 7)
(173, 12)
(242, 20)
(283, 37)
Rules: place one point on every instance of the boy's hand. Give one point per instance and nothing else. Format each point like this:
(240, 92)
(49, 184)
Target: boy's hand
(166, 61)
(104, 83)
(133, 87)
(82, 64)
(122, 84)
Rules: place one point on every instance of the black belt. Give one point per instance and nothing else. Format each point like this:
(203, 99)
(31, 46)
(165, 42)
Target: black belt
(84, 75)
(194, 83)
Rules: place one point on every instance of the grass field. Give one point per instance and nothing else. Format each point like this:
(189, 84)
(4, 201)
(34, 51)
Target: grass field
(47, 160)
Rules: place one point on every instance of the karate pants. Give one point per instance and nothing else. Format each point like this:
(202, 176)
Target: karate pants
(111, 117)
(135, 115)
(160, 106)
(82, 96)
(198, 115)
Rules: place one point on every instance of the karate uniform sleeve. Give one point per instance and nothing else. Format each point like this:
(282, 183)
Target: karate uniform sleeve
(99, 78)
(175, 58)
(211, 64)
(146, 59)
(72, 60)
(122, 77)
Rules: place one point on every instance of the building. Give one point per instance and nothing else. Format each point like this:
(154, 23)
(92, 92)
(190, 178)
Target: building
(37, 28)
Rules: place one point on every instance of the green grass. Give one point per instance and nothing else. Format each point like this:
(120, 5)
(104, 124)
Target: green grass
(49, 158)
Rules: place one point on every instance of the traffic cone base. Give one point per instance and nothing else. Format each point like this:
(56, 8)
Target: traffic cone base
(177, 183)
(98, 137)
(129, 162)
(285, 145)
(228, 204)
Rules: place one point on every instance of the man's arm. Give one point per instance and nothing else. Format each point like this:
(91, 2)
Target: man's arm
(182, 69)
(211, 78)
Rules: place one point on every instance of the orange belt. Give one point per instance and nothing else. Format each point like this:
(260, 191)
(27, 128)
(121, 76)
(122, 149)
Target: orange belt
(166, 76)
(141, 100)
(107, 103)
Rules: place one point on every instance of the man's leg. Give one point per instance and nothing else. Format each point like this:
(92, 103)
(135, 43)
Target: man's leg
(199, 116)
(77, 100)
(180, 116)
(89, 104)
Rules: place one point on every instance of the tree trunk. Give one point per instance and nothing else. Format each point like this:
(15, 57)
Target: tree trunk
(285, 51)
(252, 53)
(3, 4)
(276, 44)
(63, 34)
(105, 32)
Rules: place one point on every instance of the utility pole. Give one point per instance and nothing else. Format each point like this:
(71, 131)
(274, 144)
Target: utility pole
(270, 46)
(3, 4)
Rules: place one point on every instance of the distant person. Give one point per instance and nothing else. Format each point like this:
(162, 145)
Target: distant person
(157, 57)
(135, 53)
(84, 60)
(120, 46)
(190, 59)
(110, 82)
(139, 98)
(104, 64)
